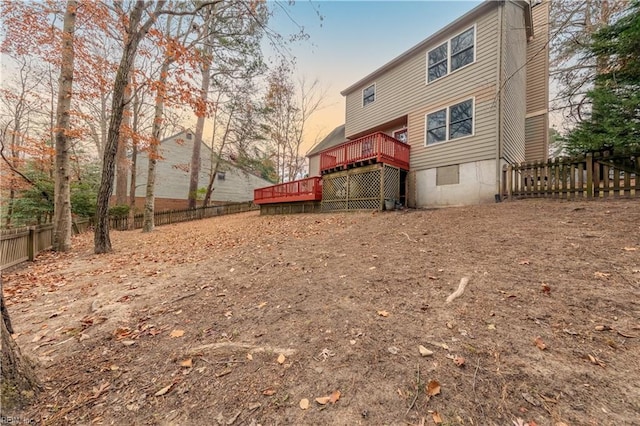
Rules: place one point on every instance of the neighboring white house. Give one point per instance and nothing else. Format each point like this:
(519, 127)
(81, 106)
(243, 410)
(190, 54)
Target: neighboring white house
(232, 184)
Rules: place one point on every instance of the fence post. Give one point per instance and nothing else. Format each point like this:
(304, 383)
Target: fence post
(32, 243)
(589, 175)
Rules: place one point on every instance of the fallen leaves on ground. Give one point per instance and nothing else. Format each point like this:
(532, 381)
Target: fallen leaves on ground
(599, 274)
(177, 333)
(433, 388)
(437, 419)
(323, 400)
(333, 398)
(459, 361)
(269, 391)
(596, 361)
(540, 343)
(187, 363)
(304, 403)
(97, 391)
(383, 313)
(424, 351)
(164, 390)
(281, 359)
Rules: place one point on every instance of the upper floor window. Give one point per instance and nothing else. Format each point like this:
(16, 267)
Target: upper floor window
(450, 123)
(451, 55)
(438, 62)
(369, 95)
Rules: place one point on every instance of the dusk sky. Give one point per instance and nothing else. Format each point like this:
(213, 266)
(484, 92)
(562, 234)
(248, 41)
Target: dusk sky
(355, 38)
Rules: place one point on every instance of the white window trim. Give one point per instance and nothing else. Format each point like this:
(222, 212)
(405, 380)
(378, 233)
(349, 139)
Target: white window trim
(375, 94)
(448, 43)
(446, 108)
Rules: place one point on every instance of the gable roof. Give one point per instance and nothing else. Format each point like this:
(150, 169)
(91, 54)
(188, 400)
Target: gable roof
(473, 14)
(336, 137)
(220, 159)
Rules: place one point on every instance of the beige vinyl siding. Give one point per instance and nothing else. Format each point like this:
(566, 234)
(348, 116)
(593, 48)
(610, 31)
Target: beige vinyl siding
(537, 123)
(536, 131)
(480, 146)
(538, 61)
(512, 93)
(476, 81)
(403, 88)
(172, 174)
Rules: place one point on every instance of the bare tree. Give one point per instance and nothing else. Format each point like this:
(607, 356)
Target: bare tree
(287, 110)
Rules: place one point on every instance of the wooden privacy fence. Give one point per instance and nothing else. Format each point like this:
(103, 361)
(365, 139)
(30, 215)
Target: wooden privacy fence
(19, 245)
(595, 175)
(22, 244)
(168, 217)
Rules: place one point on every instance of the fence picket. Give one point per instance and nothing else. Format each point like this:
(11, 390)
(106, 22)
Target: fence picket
(20, 245)
(592, 176)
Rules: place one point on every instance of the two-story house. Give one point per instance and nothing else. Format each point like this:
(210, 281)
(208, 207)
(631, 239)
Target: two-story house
(464, 102)
(232, 184)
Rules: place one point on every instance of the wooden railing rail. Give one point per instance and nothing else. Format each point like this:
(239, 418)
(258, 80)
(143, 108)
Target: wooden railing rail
(308, 189)
(376, 146)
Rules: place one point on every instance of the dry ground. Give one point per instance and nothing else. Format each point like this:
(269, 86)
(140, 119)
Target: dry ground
(186, 325)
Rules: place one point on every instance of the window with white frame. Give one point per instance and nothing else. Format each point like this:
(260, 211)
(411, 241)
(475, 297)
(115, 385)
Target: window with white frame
(451, 55)
(438, 62)
(369, 95)
(450, 123)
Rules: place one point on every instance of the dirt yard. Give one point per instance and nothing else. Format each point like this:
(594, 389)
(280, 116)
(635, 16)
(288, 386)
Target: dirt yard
(247, 320)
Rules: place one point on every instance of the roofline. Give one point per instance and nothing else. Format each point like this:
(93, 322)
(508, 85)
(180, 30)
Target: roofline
(176, 134)
(219, 159)
(476, 11)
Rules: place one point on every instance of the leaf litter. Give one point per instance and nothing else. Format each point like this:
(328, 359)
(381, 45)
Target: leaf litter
(301, 304)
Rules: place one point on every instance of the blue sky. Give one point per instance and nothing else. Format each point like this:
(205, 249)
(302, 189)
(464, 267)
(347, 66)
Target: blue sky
(353, 39)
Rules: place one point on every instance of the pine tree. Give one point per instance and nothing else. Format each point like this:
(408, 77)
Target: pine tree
(615, 121)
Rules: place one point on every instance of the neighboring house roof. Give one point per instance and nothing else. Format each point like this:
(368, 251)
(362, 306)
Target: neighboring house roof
(336, 137)
(471, 15)
(222, 160)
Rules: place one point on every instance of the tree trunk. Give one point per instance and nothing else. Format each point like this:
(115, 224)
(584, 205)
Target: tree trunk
(62, 206)
(134, 166)
(197, 142)
(214, 171)
(122, 166)
(19, 382)
(149, 201)
(102, 241)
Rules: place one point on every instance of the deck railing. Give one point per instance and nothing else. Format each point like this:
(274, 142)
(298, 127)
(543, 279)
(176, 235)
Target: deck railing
(309, 189)
(377, 146)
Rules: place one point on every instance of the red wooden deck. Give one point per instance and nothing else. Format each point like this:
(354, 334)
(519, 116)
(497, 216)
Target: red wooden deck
(309, 189)
(376, 147)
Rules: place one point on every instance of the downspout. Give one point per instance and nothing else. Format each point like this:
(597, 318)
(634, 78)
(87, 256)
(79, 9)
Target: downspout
(499, 101)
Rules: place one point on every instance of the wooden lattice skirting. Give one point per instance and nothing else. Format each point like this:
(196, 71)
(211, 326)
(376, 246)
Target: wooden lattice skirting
(362, 188)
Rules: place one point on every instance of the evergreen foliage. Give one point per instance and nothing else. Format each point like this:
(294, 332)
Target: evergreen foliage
(615, 120)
